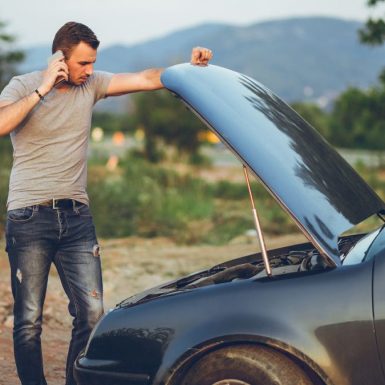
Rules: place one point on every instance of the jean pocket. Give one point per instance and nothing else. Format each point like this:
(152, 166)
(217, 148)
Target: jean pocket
(84, 211)
(24, 214)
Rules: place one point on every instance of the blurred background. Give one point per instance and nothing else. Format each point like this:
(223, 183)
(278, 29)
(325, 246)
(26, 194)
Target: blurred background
(154, 169)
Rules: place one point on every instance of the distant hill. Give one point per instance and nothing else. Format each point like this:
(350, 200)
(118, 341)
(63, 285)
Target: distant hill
(312, 58)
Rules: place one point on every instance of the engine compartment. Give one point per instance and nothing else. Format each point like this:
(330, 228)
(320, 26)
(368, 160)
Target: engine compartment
(291, 262)
(300, 258)
(287, 260)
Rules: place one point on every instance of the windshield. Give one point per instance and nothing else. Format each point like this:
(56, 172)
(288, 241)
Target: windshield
(360, 250)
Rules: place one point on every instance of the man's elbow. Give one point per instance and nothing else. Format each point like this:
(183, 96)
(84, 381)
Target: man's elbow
(4, 130)
(5, 127)
(7, 123)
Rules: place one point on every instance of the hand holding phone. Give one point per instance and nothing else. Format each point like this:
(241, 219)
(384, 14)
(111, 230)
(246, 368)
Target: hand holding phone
(56, 72)
(57, 55)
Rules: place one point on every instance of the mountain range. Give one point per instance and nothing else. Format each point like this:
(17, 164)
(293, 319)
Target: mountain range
(311, 58)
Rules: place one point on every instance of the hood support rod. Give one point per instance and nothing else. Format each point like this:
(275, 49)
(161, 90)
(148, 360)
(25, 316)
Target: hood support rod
(258, 226)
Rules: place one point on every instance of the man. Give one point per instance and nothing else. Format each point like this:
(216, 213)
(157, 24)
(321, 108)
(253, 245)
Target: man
(48, 115)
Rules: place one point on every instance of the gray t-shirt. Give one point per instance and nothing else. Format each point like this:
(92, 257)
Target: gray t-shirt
(50, 145)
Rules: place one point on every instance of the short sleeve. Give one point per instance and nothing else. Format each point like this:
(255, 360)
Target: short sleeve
(14, 91)
(101, 80)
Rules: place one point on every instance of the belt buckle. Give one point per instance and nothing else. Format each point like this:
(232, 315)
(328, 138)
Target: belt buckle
(54, 204)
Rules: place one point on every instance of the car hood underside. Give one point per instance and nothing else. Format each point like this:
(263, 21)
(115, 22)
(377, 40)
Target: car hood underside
(310, 180)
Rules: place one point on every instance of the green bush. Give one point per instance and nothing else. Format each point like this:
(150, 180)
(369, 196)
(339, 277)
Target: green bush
(237, 191)
(147, 200)
(5, 168)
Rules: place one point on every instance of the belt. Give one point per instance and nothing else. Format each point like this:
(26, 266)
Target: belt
(61, 203)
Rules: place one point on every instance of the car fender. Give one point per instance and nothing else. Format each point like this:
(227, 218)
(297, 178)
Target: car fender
(179, 356)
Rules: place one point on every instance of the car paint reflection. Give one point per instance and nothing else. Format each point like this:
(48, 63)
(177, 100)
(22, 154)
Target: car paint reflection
(322, 193)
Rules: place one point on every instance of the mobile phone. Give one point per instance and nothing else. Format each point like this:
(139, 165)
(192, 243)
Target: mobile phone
(56, 55)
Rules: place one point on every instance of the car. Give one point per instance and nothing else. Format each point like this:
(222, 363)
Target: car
(305, 314)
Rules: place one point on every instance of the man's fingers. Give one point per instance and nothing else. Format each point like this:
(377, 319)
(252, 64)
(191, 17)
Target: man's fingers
(56, 71)
(62, 74)
(201, 55)
(60, 70)
(59, 66)
(206, 54)
(195, 55)
(63, 67)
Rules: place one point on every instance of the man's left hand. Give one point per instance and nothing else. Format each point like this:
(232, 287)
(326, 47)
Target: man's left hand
(201, 56)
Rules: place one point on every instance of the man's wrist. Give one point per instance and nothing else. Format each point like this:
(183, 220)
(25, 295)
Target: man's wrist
(43, 90)
(38, 93)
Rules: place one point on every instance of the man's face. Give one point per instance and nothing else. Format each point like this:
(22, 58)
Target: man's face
(81, 63)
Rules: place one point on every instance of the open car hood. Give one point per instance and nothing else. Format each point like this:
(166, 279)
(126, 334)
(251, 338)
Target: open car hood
(316, 186)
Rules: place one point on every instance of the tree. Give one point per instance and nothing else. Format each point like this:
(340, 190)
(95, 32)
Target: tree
(374, 30)
(112, 122)
(163, 118)
(9, 57)
(358, 119)
(346, 122)
(314, 115)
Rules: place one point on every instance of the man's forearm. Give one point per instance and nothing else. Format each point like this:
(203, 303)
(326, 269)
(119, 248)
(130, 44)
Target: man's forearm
(11, 115)
(153, 78)
(146, 80)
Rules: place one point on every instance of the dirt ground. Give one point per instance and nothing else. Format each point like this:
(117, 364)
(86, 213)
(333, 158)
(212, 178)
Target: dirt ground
(129, 266)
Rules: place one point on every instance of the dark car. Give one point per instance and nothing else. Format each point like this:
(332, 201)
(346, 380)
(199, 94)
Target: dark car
(311, 313)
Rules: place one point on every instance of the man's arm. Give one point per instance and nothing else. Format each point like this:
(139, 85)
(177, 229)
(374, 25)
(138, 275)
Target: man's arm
(148, 80)
(13, 113)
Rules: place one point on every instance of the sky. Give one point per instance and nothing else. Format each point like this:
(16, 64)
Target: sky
(35, 22)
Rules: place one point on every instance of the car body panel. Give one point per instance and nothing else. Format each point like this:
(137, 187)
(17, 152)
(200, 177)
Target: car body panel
(318, 188)
(169, 326)
(378, 254)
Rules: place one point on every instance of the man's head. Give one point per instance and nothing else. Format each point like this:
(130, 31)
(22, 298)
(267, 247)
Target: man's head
(78, 44)
(70, 35)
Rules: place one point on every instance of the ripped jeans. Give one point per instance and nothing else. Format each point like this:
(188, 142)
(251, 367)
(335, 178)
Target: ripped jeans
(37, 236)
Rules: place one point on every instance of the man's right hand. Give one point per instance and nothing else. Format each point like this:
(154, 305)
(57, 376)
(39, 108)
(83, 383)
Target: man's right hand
(12, 113)
(57, 68)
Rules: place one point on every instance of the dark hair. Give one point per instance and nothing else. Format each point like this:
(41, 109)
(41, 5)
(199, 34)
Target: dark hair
(70, 35)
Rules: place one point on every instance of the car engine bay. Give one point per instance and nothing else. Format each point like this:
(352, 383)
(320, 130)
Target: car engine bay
(300, 259)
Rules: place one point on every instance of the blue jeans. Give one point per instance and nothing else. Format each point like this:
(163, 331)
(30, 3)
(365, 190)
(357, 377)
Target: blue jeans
(37, 236)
